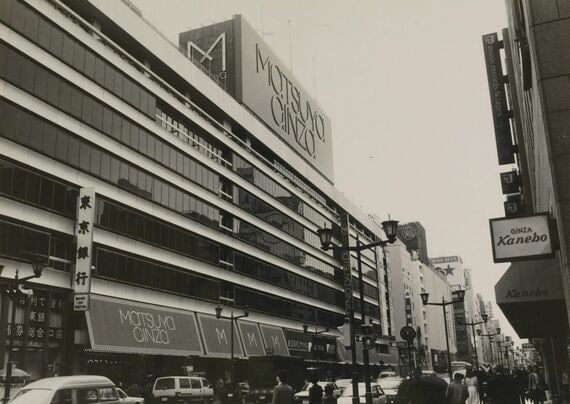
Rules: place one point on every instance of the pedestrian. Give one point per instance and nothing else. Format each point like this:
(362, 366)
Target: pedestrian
(456, 391)
(472, 383)
(564, 380)
(329, 395)
(536, 386)
(521, 380)
(501, 388)
(417, 392)
(221, 389)
(282, 393)
(315, 391)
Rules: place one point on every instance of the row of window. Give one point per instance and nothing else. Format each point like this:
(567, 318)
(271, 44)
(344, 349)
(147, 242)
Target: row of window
(127, 221)
(43, 137)
(369, 290)
(273, 245)
(42, 83)
(36, 189)
(255, 176)
(251, 203)
(130, 223)
(146, 273)
(22, 243)
(269, 273)
(63, 46)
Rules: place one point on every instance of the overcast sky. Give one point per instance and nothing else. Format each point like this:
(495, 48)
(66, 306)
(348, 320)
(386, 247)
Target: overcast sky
(404, 84)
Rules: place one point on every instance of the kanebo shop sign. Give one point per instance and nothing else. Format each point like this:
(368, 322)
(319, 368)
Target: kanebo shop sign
(521, 238)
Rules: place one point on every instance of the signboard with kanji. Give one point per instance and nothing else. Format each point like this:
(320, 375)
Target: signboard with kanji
(84, 235)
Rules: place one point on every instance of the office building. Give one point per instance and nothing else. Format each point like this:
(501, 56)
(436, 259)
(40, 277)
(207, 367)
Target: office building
(153, 194)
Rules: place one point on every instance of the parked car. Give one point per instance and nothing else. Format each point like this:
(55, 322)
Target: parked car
(342, 383)
(390, 386)
(125, 399)
(387, 373)
(68, 389)
(182, 389)
(378, 395)
(302, 397)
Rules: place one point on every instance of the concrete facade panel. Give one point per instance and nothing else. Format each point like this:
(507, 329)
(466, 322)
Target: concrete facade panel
(557, 93)
(559, 123)
(543, 11)
(562, 168)
(551, 42)
(564, 8)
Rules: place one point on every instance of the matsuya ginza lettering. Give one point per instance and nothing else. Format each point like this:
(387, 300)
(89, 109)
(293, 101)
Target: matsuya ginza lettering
(148, 327)
(290, 112)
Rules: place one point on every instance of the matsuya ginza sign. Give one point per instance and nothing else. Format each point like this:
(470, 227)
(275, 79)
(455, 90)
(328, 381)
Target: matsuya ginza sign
(521, 238)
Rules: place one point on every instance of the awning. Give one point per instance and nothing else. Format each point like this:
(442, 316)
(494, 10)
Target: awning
(251, 337)
(118, 325)
(217, 337)
(530, 295)
(274, 340)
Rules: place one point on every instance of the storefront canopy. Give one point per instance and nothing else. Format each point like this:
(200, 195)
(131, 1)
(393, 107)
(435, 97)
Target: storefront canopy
(125, 326)
(531, 297)
(251, 337)
(274, 340)
(217, 337)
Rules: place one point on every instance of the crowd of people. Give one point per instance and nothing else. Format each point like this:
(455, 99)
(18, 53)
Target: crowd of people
(495, 386)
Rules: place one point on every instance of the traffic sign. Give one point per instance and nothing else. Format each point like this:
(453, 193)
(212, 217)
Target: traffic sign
(407, 333)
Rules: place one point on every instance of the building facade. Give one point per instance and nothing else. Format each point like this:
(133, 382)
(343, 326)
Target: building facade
(530, 112)
(153, 195)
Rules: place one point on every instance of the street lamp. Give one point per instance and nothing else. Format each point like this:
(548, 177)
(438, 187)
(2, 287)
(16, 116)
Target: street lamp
(490, 336)
(231, 317)
(390, 228)
(314, 336)
(473, 324)
(12, 290)
(460, 295)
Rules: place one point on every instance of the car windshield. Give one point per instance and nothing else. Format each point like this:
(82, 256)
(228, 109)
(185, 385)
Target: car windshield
(389, 383)
(32, 396)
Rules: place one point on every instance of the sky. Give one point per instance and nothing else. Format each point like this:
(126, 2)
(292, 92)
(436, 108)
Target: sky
(404, 84)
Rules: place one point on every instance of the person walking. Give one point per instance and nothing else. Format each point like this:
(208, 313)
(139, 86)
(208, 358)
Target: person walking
(456, 391)
(501, 388)
(282, 393)
(315, 391)
(472, 383)
(565, 384)
(329, 395)
(536, 387)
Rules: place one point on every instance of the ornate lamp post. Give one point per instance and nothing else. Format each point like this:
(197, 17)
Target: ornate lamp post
(390, 227)
(460, 295)
(12, 290)
(314, 336)
(473, 324)
(232, 318)
(490, 336)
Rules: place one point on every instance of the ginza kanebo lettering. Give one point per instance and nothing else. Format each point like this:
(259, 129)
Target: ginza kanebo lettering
(290, 112)
(148, 327)
(515, 237)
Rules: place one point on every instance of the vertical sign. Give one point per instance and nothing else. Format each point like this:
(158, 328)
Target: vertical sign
(345, 259)
(491, 46)
(83, 255)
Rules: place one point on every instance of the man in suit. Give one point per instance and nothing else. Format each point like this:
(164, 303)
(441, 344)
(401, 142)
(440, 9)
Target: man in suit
(282, 393)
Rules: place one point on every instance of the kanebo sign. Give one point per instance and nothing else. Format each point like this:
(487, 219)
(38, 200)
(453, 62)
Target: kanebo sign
(521, 238)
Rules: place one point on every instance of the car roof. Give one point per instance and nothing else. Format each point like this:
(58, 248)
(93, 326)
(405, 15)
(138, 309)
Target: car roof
(55, 383)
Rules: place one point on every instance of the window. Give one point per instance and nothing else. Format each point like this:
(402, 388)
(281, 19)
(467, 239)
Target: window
(196, 384)
(164, 384)
(184, 383)
(86, 396)
(62, 397)
(107, 394)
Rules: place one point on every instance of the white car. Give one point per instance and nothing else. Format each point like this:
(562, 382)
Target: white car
(390, 386)
(125, 399)
(180, 388)
(68, 389)
(342, 383)
(302, 397)
(378, 395)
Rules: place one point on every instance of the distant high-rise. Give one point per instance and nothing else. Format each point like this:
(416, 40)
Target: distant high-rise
(413, 235)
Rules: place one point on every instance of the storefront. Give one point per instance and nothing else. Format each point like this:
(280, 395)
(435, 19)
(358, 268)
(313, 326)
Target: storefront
(530, 295)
